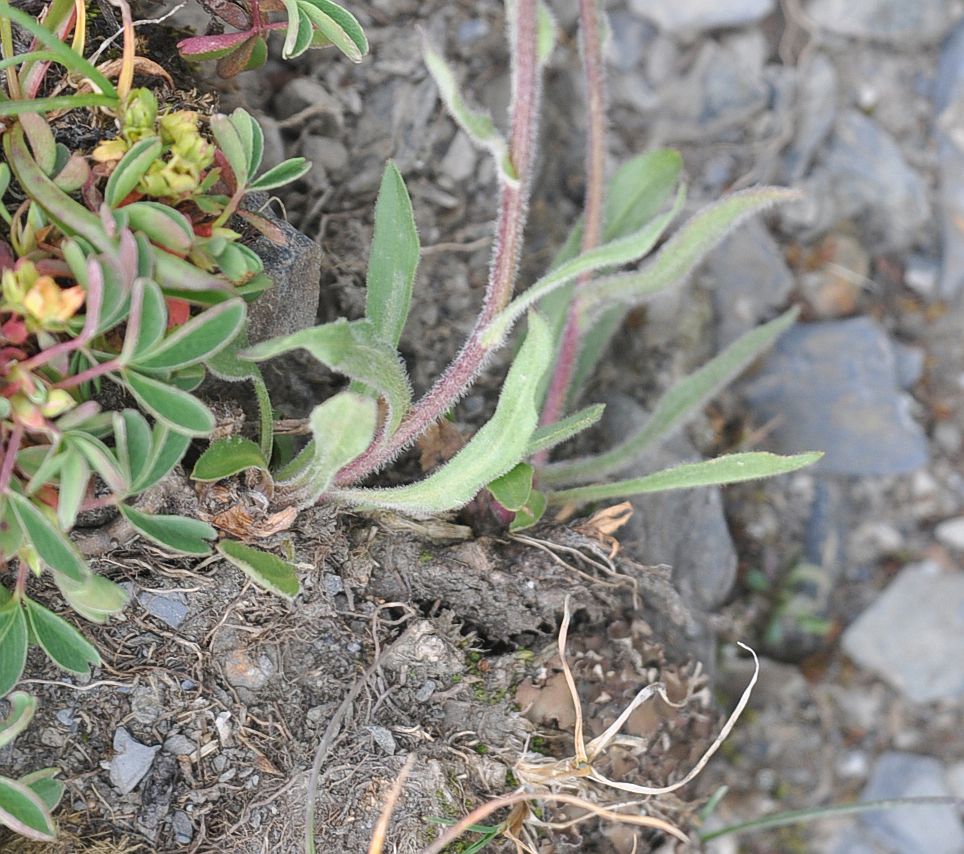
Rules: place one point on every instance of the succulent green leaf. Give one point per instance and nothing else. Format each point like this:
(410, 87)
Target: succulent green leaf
(226, 457)
(338, 26)
(498, 446)
(683, 400)
(51, 543)
(95, 599)
(479, 126)
(74, 476)
(167, 448)
(178, 409)
(732, 468)
(176, 533)
(162, 224)
(550, 435)
(24, 811)
(619, 251)
(292, 30)
(22, 709)
(530, 514)
(393, 260)
(132, 167)
(232, 146)
(132, 439)
(11, 535)
(180, 278)
(342, 427)
(512, 490)
(41, 139)
(352, 349)
(263, 568)
(101, 459)
(685, 249)
(152, 308)
(284, 173)
(13, 644)
(198, 339)
(73, 175)
(64, 645)
(43, 784)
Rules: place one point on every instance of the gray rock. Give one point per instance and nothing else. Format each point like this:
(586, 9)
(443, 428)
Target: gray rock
(299, 93)
(693, 16)
(921, 274)
(295, 269)
(52, 737)
(913, 634)
(244, 671)
(912, 830)
(950, 533)
(834, 387)
(886, 20)
(182, 827)
(685, 529)
(910, 364)
(329, 154)
(179, 745)
(384, 739)
(719, 92)
(864, 177)
(750, 280)
(131, 763)
(147, 702)
(816, 109)
(170, 608)
(65, 717)
(949, 94)
(460, 160)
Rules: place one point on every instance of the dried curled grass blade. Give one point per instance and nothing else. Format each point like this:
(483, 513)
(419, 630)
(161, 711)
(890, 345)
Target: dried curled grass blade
(579, 741)
(724, 733)
(481, 813)
(381, 826)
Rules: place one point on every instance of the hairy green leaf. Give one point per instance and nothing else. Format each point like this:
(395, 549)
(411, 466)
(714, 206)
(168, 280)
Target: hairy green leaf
(393, 259)
(338, 26)
(284, 173)
(619, 251)
(74, 476)
(95, 599)
(732, 468)
(42, 784)
(64, 645)
(263, 568)
(176, 533)
(527, 516)
(547, 33)
(153, 320)
(51, 543)
(177, 409)
(683, 400)
(555, 434)
(22, 709)
(498, 446)
(226, 457)
(162, 224)
(352, 349)
(166, 450)
(251, 136)
(24, 812)
(512, 489)
(232, 146)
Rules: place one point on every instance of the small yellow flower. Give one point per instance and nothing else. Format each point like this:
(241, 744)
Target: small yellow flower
(50, 304)
(110, 150)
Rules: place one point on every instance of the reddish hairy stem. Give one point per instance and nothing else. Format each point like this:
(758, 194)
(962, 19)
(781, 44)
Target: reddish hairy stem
(595, 76)
(10, 457)
(513, 208)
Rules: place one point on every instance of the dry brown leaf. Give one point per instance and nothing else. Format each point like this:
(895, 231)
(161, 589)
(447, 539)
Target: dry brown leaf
(238, 522)
(439, 444)
(142, 65)
(604, 523)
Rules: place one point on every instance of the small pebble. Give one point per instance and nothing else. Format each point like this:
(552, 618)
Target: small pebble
(950, 533)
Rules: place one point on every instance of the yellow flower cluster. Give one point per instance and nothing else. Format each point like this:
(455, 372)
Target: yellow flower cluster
(43, 304)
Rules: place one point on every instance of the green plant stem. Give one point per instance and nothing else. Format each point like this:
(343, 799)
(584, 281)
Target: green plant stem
(513, 205)
(6, 42)
(595, 78)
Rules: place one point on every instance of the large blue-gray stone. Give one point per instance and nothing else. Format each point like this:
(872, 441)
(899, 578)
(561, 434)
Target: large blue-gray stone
(948, 98)
(835, 387)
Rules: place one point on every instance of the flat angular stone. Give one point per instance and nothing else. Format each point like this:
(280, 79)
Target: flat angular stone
(131, 763)
(891, 20)
(693, 16)
(913, 634)
(835, 387)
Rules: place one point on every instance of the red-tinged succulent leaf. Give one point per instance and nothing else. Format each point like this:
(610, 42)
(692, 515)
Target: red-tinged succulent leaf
(212, 47)
(234, 15)
(243, 58)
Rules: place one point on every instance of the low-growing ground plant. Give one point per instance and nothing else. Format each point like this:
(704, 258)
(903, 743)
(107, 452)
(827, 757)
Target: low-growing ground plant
(123, 265)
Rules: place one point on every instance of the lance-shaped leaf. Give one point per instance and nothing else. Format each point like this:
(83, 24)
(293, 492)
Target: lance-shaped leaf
(498, 446)
(42, 141)
(22, 709)
(181, 278)
(95, 599)
(64, 645)
(198, 339)
(683, 400)
(167, 448)
(211, 47)
(43, 784)
(178, 409)
(685, 249)
(163, 225)
(284, 173)
(232, 147)
(293, 30)
(176, 533)
(477, 125)
(732, 468)
(338, 26)
(74, 476)
(51, 544)
(226, 457)
(550, 435)
(393, 259)
(13, 644)
(352, 349)
(619, 251)
(547, 32)
(342, 428)
(251, 136)
(24, 811)
(132, 167)
(263, 568)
